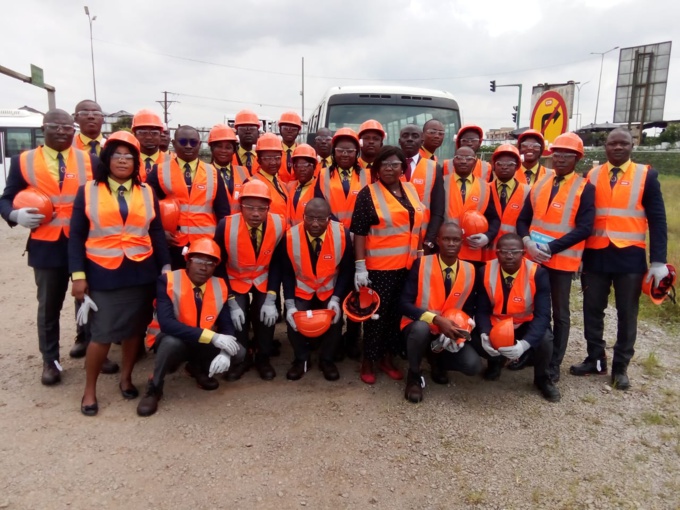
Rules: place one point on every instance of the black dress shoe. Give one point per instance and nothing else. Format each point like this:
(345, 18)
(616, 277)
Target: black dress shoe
(265, 369)
(493, 370)
(51, 375)
(620, 379)
(149, 404)
(89, 410)
(297, 370)
(109, 367)
(548, 389)
(130, 394)
(589, 367)
(202, 379)
(525, 360)
(235, 372)
(413, 392)
(554, 373)
(329, 370)
(78, 350)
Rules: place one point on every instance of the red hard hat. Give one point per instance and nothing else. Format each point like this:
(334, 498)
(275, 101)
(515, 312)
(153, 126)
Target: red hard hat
(458, 317)
(125, 137)
(666, 288)
(147, 118)
(360, 305)
(532, 133)
(371, 125)
(313, 323)
(473, 222)
(502, 334)
(304, 151)
(569, 141)
(33, 197)
(268, 142)
(246, 118)
(169, 208)
(221, 133)
(506, 148)
(291, 118)
(255, 189)
(468, 127)
(345, 132)
(204, 246)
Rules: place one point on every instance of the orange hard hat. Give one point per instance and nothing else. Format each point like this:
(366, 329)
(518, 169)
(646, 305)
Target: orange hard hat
(33, 197)
(360, 305)
(458, 317)
(345, 132)
(255, 189)
(531, 133)
(666, 288)
(569, 141)
(473, 222)
(169, 208)
(291, 118)
(246, 118)
(221, 133)
(371, 125)
(502, 334)
(268, 142)
(125, 137)
(468, 127)
(313, 323)
(506, 148)
(147, 118)
(204, 246)
(304, 151)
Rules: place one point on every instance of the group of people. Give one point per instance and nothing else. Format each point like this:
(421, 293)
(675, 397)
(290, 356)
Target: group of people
(197, 261)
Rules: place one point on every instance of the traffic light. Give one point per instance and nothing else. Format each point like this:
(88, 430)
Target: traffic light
(514, 118)
(492, 85)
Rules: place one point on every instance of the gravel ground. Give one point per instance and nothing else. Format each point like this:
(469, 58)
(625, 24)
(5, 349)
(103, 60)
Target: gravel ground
(316, 444)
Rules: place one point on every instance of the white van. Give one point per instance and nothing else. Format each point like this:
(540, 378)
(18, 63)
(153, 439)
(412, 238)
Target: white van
(20, 130)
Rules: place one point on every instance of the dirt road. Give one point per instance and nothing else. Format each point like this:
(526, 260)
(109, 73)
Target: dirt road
(316, 444)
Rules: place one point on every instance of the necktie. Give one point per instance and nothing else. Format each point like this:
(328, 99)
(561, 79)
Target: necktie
(504, 196)
(249, 162)
(122, 204)
(148, 163)
(555, 188)
(278, 188)
(62, 168)
(289, 161)
(508, 282)
(463, 191)
(506, 293)
(324, 163)
(198, 298)
(615, 177)
(254, 240)
(345, 181)
(448, 283)
(227, 177)
(296, 197)
(409, 162)
(527, 173)
(187, 176)
(93, 147)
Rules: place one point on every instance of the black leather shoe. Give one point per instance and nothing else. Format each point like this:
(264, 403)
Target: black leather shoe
(149, 404)
(202, 379)
(297, 370)
(620, 379)
(265, 369)
(51, 375)
(554, 373)
(90, 410)
(493, 370)
(413, 392)
(130, 394)
(548, 389)
(78, 350)
(525, 360)
(329, 370)
(590, 367)
(110, 367)
(235, 372)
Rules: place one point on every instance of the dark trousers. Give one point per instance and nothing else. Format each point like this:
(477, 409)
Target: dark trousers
(328, 342)
(52, 286)
(542, 353)
(418, 339)
(560, 290)
(627, 289)
(264, 336)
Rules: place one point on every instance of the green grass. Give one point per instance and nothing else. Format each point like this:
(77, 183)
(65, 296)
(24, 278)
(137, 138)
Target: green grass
(651, 365)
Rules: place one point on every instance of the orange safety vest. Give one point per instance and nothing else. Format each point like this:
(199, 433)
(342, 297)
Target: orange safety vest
(320, 280)
(239, 175)
(180, 290)
(80, 145)
(558, 218)
(423, 178)
(540, 174)
(620, 217)
(284, 174)
(279, 204)
(476, 199)
(331, 188)
(142, 163)
(431, 291)
(424, 155)
(34, 171)
(197, 217)
(244, 269)
(236, 161)
(110, 240)
(482, 169)
(392, 243)
(508, 217)
(294, 214)
(520, 304)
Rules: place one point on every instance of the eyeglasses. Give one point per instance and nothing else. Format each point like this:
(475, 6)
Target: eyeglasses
(394, 165)
(247, 128)
(288, 127)
(255, 208)
(203, 262)
(148, 132)
(302, 164)
(184, 142)
(563, 155)
(323, 138)
(504, 165)
(345, 152)
(122, 157)
(433, 132)
(89, 113)
(530, 145)
(469, 140)
(67, 128)
(512, 253)
(464, 158)
(316, 219)
(270, 158)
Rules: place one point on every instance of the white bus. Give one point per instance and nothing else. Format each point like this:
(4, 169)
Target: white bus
(20, 130)
(392, 106)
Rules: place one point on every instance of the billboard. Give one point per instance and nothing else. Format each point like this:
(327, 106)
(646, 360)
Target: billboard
(641, 83)
(566, 90)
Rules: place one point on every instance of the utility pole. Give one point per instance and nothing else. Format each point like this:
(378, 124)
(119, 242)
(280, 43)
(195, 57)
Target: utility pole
(518, 108)
(36, 79)
(166, 105)
(94, 82)
(302, 92)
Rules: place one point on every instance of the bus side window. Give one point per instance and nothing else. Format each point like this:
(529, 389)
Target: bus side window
(17, 140)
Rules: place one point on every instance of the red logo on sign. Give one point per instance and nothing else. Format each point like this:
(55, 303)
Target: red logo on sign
(517, 299)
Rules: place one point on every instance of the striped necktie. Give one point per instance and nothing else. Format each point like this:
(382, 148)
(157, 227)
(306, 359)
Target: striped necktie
(62, 168)
(93, 147)
(615, 177)
(122, 203)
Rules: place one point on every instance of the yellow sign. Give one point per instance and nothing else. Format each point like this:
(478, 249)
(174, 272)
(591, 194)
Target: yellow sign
(550, 116)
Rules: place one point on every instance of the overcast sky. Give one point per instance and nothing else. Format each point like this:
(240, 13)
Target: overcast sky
(219, 56)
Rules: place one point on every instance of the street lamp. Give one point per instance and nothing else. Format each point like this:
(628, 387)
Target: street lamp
(91, 19)
(599, 83)
(578, 103)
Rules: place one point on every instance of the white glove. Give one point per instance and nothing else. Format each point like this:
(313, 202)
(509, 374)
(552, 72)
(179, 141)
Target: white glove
(334, 304)
(658, 271)
(166, 269)
(226, 343)
(268, 312)
(219, 364)
(290, 310)
(537, 251)
(478, 241)
(516, 350)
(27, 217)
(84, 311)
(238, 318)
(454, 346)
(361, 275)
(486, 345)
(472, 323)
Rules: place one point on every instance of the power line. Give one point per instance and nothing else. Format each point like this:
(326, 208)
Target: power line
(233, 101)
(166, 105)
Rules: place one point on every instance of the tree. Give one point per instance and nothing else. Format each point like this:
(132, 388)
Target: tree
(671, 134)
(122, 124)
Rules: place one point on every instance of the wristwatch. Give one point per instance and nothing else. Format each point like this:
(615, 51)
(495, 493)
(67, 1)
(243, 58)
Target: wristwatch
(429, 244)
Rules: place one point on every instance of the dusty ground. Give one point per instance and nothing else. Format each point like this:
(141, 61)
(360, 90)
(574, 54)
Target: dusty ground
(316, 444)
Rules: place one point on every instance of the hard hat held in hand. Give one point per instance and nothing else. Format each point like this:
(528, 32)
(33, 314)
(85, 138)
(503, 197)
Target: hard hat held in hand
(313, 323)
(502, 334)
(459, 318)
(665, 290)
(360, 305)
(473, 223)
(36, 199)
(169, 208)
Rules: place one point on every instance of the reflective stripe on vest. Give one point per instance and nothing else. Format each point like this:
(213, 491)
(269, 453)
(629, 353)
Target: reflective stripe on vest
(331, 188)
(422, 179)
(295, 213)
(513, 208)
(240, 175)
(477, 199)
(181, 292)
(520, 305)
